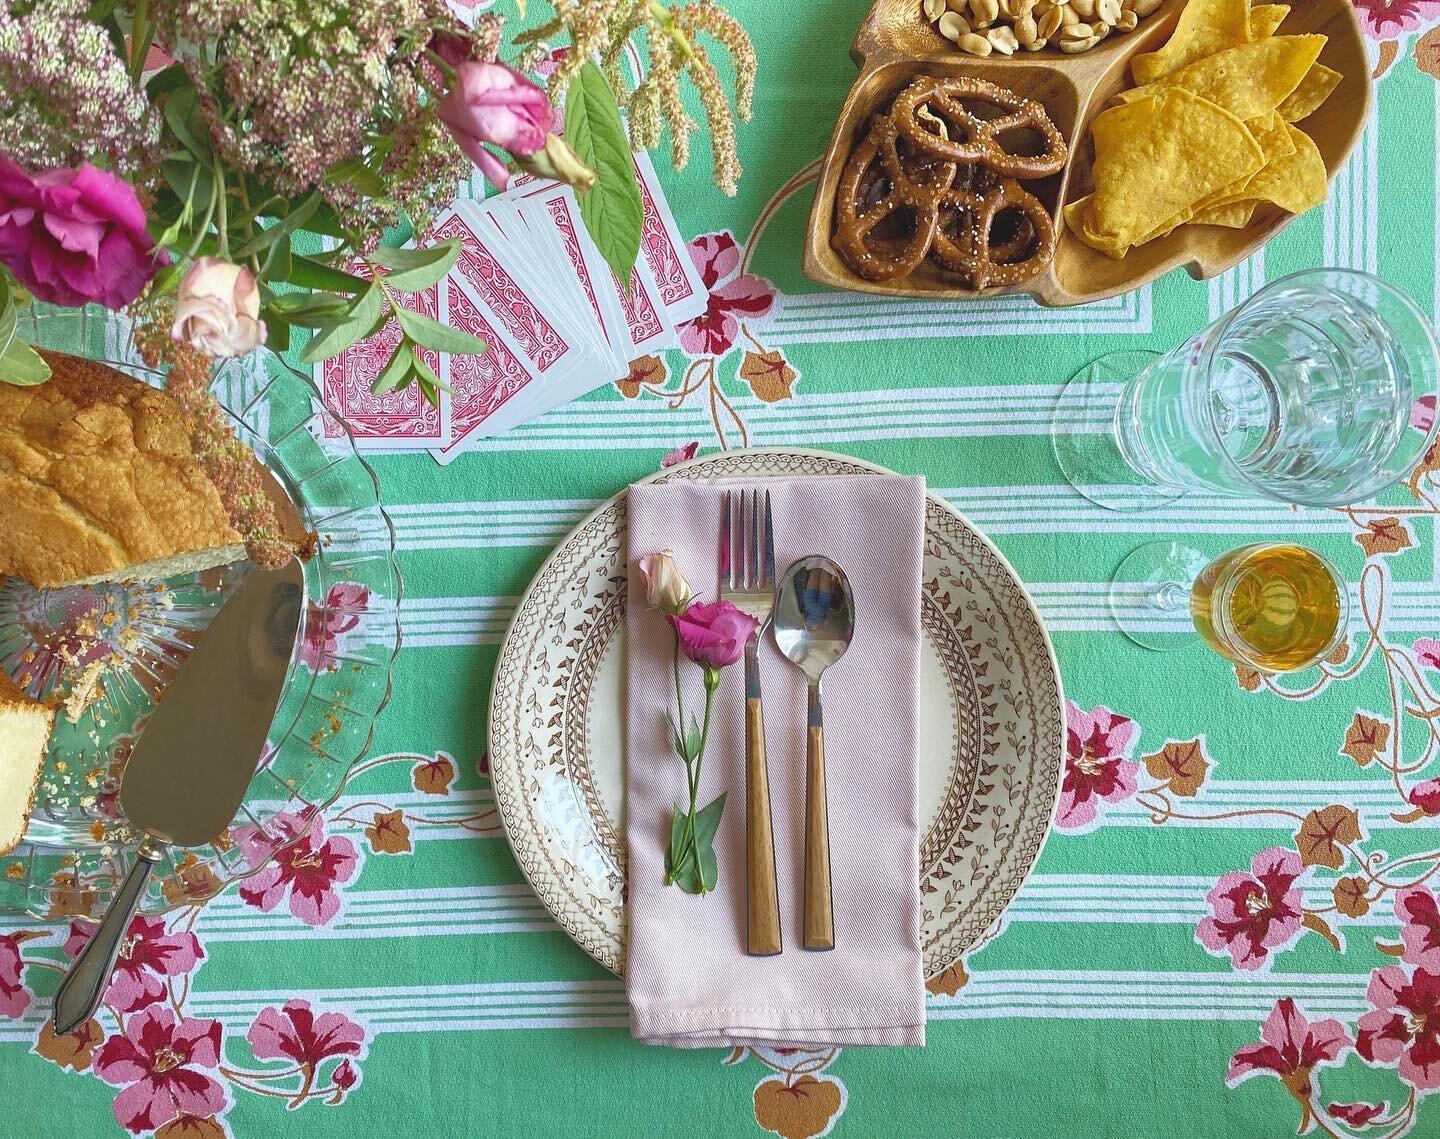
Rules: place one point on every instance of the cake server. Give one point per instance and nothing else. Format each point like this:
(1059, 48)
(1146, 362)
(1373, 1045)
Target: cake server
(191, 765)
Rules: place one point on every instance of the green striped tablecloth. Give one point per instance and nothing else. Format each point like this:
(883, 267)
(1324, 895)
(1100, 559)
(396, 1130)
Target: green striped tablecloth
(440, 1000)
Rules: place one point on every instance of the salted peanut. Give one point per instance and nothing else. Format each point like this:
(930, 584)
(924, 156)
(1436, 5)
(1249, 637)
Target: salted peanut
(1074, 33)
(1085, 9)
(1099, 29)
(1003, 40)
(1026, 30)
(1145, 8)
(1068, 16)
(953, 26)
(976, 45)
(1108, 11)
(1038, 45)
(959, 7)
(1127, 21)
(1074, 47)
(1044, 6)
(1024, 8)
(1050, 23)
(983, 13)
(933, 9)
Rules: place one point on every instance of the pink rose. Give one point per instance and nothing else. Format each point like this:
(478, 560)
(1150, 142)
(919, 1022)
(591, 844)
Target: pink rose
(665, 588)
(491, 103)
(713, 634)
(218, 309)
(72, 236)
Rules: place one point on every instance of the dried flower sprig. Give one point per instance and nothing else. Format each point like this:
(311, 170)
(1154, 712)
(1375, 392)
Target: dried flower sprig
(672, 40)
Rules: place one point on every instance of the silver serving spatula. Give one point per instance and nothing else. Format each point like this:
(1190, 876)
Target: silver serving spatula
(191, 766)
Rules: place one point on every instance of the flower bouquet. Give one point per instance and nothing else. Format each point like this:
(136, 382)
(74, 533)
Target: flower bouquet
(234, 171)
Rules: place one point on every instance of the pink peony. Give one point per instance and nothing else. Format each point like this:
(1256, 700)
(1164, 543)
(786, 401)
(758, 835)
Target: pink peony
(73, 236)
(713, 634)
(218, 309)
(493, 104)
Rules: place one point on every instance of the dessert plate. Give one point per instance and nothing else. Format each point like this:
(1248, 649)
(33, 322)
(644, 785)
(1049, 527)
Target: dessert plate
(991, 755)
(78, 843)
(895, 43)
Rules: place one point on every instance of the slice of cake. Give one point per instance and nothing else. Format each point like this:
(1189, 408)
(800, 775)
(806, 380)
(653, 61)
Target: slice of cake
(25, 727)
(99, 481)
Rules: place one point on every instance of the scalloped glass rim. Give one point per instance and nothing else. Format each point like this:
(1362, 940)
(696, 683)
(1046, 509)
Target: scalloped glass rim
(340, 675)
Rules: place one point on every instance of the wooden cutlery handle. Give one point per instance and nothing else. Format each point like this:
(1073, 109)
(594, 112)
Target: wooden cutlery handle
(819, 905)
(763, 915)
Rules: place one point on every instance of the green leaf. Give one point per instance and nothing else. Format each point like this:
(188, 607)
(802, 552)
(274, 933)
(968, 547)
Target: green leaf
(277, 334)
(425, 373)
(360, 320)
(396, 370)
(611, 210)
(707, 821)
(309, 273)
(8, 314)
(358, 176)
(310, 309)
(283, 228)
(22, 366)
(442, 338)
(414, 269)
(709, 868)
(182, 116)
(167, 278)
(163, 82)
(193, 183)
(692, 740)
(279, 262)
(430, 392)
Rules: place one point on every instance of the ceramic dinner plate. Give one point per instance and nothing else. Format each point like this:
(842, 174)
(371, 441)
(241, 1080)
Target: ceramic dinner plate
(991, 753)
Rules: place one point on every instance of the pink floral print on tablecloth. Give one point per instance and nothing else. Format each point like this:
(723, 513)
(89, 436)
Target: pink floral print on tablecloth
(1256, 914)
(732, 298)
(308, 871)
(160, 1061)
(1098, 766)
(325, 624)
(148, 955)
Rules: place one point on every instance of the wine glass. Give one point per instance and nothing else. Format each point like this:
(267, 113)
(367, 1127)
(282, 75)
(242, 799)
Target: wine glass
(1305, 393)
(1270, 606)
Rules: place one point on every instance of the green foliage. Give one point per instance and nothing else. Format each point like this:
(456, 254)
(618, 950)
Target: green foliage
(611, 209)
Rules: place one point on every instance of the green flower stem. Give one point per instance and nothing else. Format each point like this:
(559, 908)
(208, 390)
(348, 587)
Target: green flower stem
(142, 35)
(666, 20)
(204, 229)
(222, 222)
(687, 842)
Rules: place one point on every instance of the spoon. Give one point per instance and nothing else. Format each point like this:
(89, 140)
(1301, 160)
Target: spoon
(814, 624)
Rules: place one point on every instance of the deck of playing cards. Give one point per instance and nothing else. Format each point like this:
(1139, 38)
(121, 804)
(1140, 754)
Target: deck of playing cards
(558, 322)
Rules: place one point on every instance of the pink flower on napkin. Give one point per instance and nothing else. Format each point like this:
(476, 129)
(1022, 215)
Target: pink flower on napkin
(157, 1060)
(147, 955)
(1097, 764)
(1291, 1047)
(1255, 913)
(14, 996)
(72, 236)
(714, 332)
(713, 633)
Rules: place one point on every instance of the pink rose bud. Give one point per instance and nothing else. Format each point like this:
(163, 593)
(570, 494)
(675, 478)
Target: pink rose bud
(665, 588)
(713, 634)
(493, 104)
(218, 309)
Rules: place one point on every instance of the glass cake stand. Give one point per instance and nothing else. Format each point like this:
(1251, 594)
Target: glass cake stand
(78, 844)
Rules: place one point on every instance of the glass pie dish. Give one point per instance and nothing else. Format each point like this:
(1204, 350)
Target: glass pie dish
(125, 642)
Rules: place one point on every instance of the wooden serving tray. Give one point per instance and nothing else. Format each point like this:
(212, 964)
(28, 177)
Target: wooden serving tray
(895, 43)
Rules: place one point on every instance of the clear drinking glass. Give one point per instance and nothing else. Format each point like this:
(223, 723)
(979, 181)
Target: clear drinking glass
(1270, 606)
(1305, 393)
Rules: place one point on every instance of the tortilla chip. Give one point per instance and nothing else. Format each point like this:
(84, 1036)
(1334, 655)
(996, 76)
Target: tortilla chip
(1297, 182)
(1314, 89)
(1157, 158)
(1237, 215)
(1080, 220)
(1273, 135)
(1265, 18)
(1206, 26)
(1248, 81)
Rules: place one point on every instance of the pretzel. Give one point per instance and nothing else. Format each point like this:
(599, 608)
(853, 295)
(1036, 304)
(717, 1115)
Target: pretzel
(874, 188)
(971, 252)
(974, 138)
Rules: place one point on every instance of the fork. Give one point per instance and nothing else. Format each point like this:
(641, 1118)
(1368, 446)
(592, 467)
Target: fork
(747, 581)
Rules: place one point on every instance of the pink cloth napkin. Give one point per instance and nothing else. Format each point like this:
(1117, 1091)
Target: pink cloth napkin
(689, 980)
